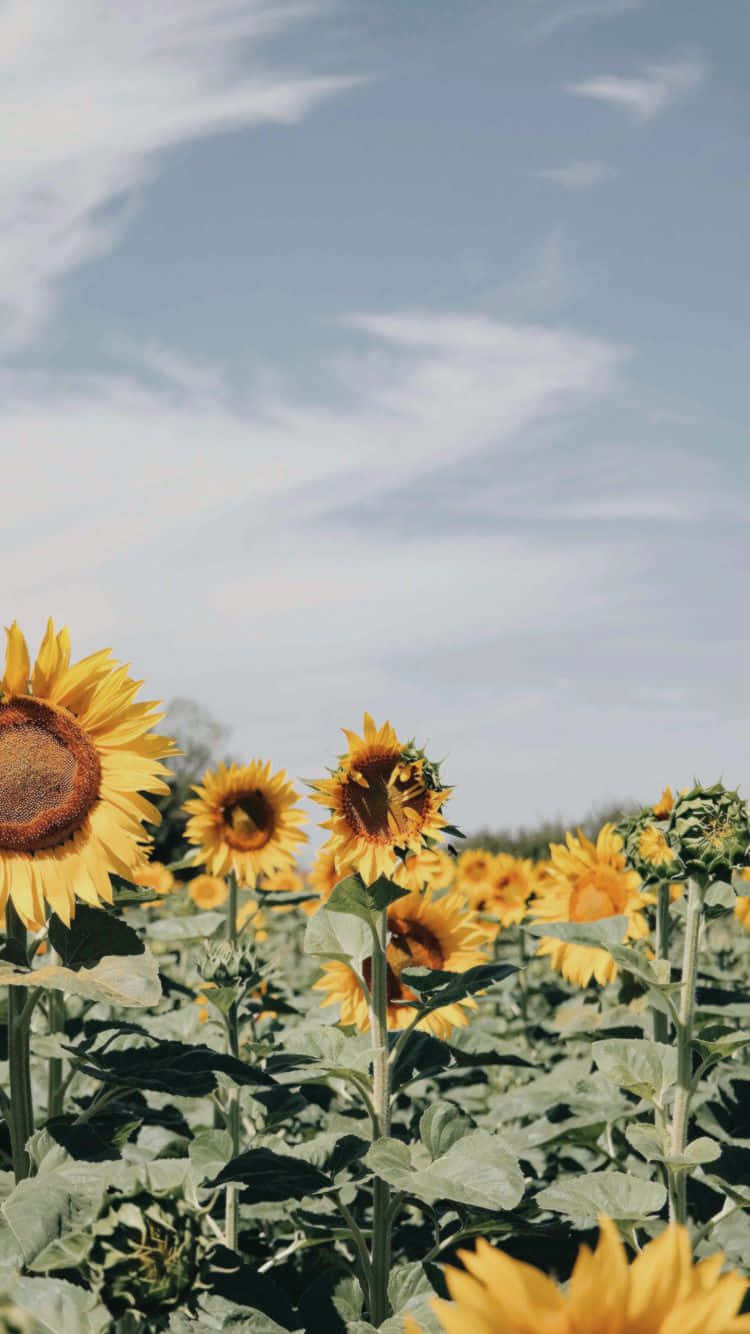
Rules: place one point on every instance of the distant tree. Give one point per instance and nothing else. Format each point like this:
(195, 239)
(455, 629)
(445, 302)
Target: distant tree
(199, 737)
(533, 841)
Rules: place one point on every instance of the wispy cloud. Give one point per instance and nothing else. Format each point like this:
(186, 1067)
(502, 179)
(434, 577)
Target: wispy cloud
(646, 95)
(567, 15)
(91, 93)
(578, 175)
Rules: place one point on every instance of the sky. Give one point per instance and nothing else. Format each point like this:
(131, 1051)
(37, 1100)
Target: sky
(390, 355)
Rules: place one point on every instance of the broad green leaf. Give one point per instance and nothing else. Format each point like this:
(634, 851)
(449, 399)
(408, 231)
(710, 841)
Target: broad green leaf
(437, 988)
(604, 933)
(643, 1067)
(440, 1126)
(169, 1067)
(131, 981)
(348, 1299)
(196, 926)
(424, 1055)
(93, 934)
(408, 1283)
(61, 1307)
(365, 901)
(266, 1175)
(476, 1170)
(216, 1315)
(621, 1196)
(337, 936)
(209, 1151)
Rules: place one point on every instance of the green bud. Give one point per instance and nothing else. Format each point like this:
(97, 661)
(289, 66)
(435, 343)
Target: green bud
(146, 1254)
(651, 849)
(711, 828)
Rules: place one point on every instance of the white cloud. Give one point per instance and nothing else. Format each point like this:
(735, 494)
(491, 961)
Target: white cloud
(577, 13)
(646, 95)
(578, 175)
(91, 92)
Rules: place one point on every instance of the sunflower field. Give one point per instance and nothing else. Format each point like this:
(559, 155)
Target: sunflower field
(401, 1084)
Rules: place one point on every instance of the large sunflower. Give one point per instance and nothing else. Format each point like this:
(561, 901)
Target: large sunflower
(76, 754)
(584, 882)
(423, 932)
(661, 1292)
(246, 820)
(385, 799)
(503, 897)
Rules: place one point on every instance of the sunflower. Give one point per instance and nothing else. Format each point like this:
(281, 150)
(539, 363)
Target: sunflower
(208, 891)
(661, 1292)
(663, 807)
(249, 914)
(325, 874)
(424, 932)
(155, 876)
(588, 881)
(505, 894)
(430, 869)
(245, 819)
(473, 869)
(76, 754)
(385, 798)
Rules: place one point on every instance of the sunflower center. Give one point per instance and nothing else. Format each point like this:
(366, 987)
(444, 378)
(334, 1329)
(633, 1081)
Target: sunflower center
(249, 821)
(413, 945)
(595, 897)
(379, 806)
(49, 776)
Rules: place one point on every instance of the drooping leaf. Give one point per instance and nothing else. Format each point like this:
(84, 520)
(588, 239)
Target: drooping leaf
(97, 1140)
(271, 1176)
(131, 981)
(170, 1067)
(92, 935)
(424, 1055)
(437, 988)
(620, 1195)
(605, 932)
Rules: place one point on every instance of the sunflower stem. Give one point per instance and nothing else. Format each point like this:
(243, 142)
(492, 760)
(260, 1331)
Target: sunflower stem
(233, 1106)
(681, 1108)
(661, 1020)
(381, 1222)
(21, 1111)
(55, 1024)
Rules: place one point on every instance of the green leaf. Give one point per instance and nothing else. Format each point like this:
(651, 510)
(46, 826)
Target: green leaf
(441, 1126)
(647, 1141)
(92, 935)
(271, 1176)
(61, 1307)
(424, 1055)
(604, 933)
(348, 1299)
(438, 988)
(365, 901)
(97, 1140)
(621, 1196)
(170, 1067)
(643, 1067)
(476, 1170)
(131, 981)
(194, 926)
(208, 1152)
(337, 936)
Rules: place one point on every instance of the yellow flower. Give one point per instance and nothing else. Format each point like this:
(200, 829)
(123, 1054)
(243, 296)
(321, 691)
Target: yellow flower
(251, 915)
(155, 876)
(383, 797)
(77, 753)
(473, 869)
(663, 807)
(424, 932)
(505, 894)
(430, 869)
(661, 1292)
(325, 875)
(245, 819)
(653, 846)
(586, 882)
(208, 891)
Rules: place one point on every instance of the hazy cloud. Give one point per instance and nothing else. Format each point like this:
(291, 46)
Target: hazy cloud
(646, 95)
(90, 93)
(578, 175)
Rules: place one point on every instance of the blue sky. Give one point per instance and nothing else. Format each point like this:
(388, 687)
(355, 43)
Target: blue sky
(390, 354)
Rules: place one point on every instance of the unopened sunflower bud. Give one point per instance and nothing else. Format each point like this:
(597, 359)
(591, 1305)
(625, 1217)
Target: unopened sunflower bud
(711, 829)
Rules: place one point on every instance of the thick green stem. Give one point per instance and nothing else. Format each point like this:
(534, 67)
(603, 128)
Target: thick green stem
(21, 1111)
(55, 1024)
(661, 1020)
(681, 1109)
(381, 1096)
(233, 1108)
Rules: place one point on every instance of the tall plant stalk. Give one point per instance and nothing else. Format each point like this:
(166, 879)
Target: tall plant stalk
(233, 1106)
(55, 1024)
(381, 1096)
(686, 1014)
(661, 1020)
(21, 1111)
